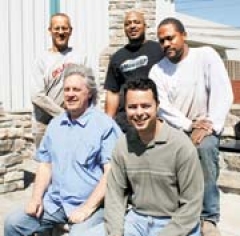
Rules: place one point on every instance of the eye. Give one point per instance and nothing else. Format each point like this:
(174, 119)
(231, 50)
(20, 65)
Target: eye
(131, 106)
(76, 89)
(168, 38)
(146, 105)
(63, 28)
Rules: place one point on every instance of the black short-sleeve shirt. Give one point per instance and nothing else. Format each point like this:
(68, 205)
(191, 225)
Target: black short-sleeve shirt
(129, 63)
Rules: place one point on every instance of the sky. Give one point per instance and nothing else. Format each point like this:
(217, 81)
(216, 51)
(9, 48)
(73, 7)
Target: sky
(221, 11)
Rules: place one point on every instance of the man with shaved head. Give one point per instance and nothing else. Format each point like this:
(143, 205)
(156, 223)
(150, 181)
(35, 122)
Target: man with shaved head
(129, 62)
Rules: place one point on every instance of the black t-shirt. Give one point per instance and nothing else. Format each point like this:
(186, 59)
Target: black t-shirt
(129, 63)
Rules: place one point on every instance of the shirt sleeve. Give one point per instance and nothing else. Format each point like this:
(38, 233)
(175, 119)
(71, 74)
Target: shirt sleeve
(38, 94)
(116, 196)
(112, 82)
(42, 153)
(167, 111)
(109, 140)
(191, 187)
(219, 88)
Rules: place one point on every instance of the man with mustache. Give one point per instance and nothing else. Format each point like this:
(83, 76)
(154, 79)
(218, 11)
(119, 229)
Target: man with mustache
(129, 62)
(156, 168)
(74, 159)
(196, 96)
(47, 74)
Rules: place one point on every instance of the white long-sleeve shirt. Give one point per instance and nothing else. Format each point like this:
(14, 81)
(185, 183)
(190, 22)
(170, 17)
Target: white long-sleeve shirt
(196, 88)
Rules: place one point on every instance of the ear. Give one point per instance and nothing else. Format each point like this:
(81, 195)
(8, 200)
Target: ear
(70, 32)
(89, 95)
(50, 30)
(184, 34)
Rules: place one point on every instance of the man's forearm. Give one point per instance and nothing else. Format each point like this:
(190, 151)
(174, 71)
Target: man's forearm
(97, 196)
(42, 180)
(48, 105)
(112, 103)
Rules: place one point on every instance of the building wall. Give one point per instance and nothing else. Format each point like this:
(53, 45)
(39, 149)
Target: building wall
(23, 25)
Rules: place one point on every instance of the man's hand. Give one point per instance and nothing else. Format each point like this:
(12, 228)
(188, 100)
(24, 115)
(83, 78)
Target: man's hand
(80, 214)
(201, 129)
(34, 208)
(198, 135)
(202, 124)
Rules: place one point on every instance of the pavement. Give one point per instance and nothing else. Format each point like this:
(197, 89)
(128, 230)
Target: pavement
(229, 224)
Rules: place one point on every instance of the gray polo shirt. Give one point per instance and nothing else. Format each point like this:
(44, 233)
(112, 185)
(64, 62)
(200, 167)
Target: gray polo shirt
(163, 178)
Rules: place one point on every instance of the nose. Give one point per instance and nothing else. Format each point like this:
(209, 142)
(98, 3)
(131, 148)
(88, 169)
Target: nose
(60, 30)
(132, 25)
(69, 93)
(166, 43)
(139, 111)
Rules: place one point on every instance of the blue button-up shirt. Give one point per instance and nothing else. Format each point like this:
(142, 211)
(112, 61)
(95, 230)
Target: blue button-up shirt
(77, 150)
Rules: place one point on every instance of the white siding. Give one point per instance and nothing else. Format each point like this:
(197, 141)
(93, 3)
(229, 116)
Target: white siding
(24, 36)
(90, 27)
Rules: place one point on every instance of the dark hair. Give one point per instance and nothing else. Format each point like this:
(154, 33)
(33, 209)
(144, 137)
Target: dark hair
(142, 84)
(177, 24)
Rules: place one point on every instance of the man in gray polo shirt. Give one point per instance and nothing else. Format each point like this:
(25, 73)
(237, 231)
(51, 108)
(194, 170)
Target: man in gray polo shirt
(157, 168)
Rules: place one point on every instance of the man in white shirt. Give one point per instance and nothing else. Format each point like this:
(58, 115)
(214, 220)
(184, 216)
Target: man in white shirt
(47, 74)
(196, 95)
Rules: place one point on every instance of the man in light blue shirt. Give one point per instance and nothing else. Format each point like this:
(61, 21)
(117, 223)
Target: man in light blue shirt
(73, 160)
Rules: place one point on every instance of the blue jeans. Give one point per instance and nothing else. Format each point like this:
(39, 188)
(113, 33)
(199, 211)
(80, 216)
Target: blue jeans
(208, 152)
(139, 225)
(19, 223)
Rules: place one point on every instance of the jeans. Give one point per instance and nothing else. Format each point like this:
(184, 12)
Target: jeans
(19, 223)
(208, 151)
(140, 225)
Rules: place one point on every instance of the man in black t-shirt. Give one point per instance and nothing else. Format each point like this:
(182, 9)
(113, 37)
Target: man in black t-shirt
(132, 61)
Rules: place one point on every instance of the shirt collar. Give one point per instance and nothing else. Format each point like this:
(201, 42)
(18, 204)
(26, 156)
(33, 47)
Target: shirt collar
(81, 120)
(135, 142)
(163, 135)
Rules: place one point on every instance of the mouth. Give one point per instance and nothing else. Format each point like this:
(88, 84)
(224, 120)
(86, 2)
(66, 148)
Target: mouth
(61, 37)
(133, 33)
(139, 122)
(169, 52)
(71, 103)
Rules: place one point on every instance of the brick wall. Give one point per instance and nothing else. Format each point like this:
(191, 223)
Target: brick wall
(16, 144)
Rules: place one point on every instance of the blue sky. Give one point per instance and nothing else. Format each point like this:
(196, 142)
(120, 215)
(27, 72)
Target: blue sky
(220, 11)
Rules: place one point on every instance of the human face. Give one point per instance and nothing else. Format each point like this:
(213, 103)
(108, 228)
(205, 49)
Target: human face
(134, 26)
(141, 109)
(60, 31)
(172, 42)
(76, 95)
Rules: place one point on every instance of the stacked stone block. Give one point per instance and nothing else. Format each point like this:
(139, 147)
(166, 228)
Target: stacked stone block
(16, 144)
(229, 178)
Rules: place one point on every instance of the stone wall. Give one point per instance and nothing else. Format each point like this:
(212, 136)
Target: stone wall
(229, 178)
(16, 144)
